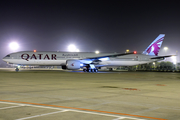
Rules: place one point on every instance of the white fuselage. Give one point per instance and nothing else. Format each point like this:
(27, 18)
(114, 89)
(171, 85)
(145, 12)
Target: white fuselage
(60, 58)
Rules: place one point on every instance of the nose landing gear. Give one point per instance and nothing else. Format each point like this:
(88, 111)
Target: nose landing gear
(17, 69)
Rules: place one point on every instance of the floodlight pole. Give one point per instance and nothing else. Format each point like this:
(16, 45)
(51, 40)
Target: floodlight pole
(165, 48)
(176, 59)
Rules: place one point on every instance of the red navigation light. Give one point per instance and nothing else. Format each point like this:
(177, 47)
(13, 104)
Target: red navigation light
(34, 50)
(135, 52)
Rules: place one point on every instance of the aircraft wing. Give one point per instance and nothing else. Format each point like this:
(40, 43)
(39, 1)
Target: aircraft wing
(114, 55)
(159, 57)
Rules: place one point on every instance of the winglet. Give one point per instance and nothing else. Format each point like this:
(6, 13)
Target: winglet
(154, 47)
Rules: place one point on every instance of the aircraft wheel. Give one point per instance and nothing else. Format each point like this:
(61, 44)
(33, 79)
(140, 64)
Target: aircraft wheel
(84, 70)
(17, 69)
(110, 69)
(95, 70)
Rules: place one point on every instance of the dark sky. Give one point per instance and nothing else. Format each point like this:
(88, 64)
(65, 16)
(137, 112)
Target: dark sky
(108, 26)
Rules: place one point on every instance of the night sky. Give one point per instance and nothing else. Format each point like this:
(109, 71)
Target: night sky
(107, 26)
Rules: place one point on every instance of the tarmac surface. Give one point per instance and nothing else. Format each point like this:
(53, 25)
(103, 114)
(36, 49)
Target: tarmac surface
(66, 95)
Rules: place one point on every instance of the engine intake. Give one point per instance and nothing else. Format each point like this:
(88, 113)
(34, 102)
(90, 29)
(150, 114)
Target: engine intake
(73, 64)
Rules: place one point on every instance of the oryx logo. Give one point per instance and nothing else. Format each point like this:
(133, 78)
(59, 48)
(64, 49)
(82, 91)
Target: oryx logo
(72, 64)
(155, 47)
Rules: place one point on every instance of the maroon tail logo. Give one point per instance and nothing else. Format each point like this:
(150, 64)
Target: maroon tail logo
(155, 47)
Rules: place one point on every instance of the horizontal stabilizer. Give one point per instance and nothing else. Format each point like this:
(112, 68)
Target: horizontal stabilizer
(159, 57)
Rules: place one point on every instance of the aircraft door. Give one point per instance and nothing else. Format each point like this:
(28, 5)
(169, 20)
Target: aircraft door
(139, 58)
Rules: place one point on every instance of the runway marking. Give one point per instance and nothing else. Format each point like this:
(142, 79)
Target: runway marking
(121, 118)
(9, 107)
(109, 115)
(147, 110)
(83, 109)
(41, 115)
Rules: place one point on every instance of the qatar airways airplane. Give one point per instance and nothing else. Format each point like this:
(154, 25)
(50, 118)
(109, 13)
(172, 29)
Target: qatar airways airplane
(90, 62)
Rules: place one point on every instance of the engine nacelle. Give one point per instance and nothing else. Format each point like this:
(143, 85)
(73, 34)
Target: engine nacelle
(73, 64)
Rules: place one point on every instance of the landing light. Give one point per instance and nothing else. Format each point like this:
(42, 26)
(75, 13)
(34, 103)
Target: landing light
(135, 52)
(34, 50)
(104, 59)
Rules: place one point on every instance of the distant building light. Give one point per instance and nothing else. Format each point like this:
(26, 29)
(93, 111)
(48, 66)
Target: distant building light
(127, 50)
(165, 48)
(34, 50)
(97, 52)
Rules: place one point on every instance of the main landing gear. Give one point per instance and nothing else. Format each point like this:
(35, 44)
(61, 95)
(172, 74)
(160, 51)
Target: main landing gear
(90, 68)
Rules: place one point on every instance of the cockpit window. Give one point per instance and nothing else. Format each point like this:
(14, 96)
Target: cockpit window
(7, 55)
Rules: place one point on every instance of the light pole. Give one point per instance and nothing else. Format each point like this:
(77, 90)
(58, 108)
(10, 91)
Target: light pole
(165, 48)
(72, 48)
(14, 46)
(177, 56)
(154, 65)
(77, 50)
(176, 59)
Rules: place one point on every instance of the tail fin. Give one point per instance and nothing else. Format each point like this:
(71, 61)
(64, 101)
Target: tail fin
(155, 46)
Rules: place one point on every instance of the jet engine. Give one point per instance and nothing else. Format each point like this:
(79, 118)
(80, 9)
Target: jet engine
(73, 64)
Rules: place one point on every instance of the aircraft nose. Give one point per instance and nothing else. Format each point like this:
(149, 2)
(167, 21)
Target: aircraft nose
(4, 59)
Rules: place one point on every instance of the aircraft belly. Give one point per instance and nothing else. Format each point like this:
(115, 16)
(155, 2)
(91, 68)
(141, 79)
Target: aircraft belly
(37, 62)
(122, 63)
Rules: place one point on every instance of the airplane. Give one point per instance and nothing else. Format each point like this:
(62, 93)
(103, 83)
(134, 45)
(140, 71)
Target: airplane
(88, 61)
